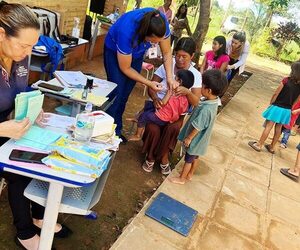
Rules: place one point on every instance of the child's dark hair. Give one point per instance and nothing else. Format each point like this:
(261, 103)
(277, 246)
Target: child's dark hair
(178, 14)
(222, 50)
(295, 72)
(187, 78)
(215, 80)
(152, 24)
(186, 44)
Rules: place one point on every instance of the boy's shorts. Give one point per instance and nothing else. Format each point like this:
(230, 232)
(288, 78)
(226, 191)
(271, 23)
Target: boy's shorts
(190, 158)
(298, 147)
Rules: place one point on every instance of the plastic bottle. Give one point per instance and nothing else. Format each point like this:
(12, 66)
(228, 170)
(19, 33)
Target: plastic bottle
(76, 29)
(84, 93)
(84, 125)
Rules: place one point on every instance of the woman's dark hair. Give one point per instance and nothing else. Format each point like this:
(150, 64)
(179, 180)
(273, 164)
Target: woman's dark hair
(186, 44)
(295, 72)
(240, 36)
(14, 17)
(187, 78)
(215, 80)
(178, 13)
(152, 24)
(222, 50)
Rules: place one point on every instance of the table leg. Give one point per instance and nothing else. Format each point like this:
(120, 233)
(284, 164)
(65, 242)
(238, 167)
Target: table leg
(51, 213)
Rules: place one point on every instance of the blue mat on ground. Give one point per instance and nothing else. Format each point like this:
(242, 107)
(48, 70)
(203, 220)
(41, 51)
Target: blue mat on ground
(172, 213)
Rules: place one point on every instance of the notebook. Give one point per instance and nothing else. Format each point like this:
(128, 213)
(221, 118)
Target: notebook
(172, 213)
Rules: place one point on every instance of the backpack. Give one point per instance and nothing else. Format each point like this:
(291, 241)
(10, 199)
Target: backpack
(49, 22)
(55, 53)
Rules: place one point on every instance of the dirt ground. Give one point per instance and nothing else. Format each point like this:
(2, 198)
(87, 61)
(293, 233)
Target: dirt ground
(127, 187)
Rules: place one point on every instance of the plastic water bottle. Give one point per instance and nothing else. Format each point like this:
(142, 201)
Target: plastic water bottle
(84, 124)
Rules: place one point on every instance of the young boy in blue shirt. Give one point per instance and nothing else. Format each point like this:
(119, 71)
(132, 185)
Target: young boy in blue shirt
(195, 135)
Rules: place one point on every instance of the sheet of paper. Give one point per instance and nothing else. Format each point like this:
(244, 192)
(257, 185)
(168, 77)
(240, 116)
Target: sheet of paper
(60, 121)
(34, 108)
(94, 99)
(38, 138)
(21, 103)
(71, 78)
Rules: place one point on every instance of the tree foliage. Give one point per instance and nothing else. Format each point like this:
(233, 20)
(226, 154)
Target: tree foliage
(285, 33)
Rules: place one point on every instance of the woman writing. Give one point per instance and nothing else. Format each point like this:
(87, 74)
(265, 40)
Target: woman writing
(19, 32)
(238, 49)
(160, 141)
(179, 23)
(125, 45)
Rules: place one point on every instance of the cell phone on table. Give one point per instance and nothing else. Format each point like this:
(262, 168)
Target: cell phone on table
(27, 156)
(50, 86)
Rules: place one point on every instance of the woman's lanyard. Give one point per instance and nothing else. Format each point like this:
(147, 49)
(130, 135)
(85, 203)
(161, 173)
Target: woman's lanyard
(5, 76)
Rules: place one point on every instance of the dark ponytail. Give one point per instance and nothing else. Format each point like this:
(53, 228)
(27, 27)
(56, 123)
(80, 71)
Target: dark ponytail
(221, 51)
(152, 24)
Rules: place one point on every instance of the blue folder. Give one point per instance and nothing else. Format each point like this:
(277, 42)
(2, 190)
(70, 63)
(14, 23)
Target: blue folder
(172, 214)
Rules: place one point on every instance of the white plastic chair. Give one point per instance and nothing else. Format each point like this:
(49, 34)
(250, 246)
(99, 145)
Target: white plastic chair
(74, 200)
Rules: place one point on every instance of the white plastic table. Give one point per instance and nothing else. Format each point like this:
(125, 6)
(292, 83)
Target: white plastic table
(57, 181)
(102, 90)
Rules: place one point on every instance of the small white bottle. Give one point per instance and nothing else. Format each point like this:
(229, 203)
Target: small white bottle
(85, 122)
(76, 29)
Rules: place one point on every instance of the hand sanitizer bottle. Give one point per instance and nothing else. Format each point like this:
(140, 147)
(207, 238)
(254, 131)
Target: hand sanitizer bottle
(85, 122)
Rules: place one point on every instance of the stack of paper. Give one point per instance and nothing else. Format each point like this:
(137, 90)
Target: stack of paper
(28, 104)
(38, 138)
(72, 79)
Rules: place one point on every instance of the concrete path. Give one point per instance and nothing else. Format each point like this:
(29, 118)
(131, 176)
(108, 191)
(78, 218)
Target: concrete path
(242, 199)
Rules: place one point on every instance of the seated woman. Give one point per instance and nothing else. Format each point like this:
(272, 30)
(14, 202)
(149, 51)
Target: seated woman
(216, 58)
(160, 141)
(19, 32)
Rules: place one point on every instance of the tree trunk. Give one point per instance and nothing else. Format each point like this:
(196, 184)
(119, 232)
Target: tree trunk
(202, 27)
(270, 14)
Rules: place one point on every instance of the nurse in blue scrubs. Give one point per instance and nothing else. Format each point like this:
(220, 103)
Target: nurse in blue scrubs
(125, 45)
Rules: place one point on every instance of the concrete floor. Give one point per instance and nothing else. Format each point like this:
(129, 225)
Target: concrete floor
(242, 199)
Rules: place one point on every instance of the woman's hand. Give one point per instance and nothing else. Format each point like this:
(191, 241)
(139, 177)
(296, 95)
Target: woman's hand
(42, 119)
(172, 83)
(157, 103)
(180, 90)
(14, 129)
(156, 86)
(231, 66)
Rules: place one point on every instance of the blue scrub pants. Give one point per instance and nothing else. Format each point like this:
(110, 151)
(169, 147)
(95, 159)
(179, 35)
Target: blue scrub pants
(124, 84)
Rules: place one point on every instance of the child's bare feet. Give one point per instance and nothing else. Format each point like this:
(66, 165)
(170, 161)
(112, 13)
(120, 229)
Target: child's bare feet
(189, 177)
(177, 180)
(134, 138)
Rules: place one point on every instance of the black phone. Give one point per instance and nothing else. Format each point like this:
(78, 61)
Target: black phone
(50, 86)
(27, 156)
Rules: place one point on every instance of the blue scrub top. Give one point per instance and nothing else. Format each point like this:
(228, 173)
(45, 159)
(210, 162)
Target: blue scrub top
(119, 37)
(11, 85)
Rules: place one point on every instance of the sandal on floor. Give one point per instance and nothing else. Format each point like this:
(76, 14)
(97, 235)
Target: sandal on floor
(285, 171)
(268, 147)
(148, 166)
(252, 144)
(165, 169)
